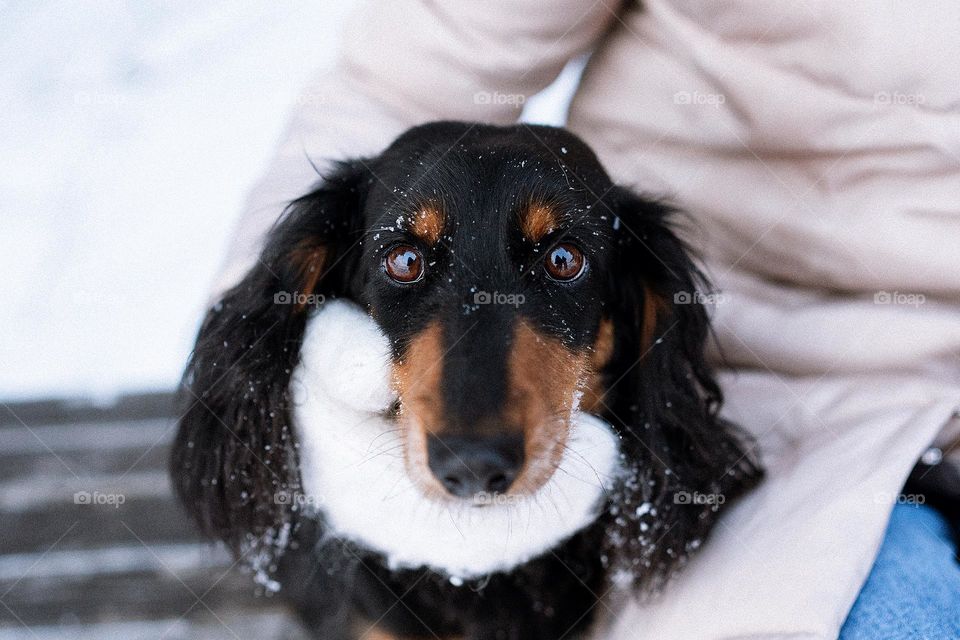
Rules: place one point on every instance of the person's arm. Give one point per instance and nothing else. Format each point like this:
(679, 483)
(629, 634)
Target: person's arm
(405, 62)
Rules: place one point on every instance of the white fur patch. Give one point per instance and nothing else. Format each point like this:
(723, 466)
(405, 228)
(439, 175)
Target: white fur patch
(352, 465)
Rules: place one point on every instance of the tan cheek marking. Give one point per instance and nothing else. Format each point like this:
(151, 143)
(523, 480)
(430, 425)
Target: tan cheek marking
(375, 633)
(427, 223)
(367, 631)
(543, 378)
(537, 221)
(372, 633)
(417, 380)
(309, 258)
(653, 307)
(594, 389)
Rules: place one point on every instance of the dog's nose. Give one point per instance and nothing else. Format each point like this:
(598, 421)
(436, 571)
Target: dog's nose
(467, 466)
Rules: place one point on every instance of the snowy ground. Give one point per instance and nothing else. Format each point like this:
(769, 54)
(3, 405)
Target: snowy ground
(129, 134)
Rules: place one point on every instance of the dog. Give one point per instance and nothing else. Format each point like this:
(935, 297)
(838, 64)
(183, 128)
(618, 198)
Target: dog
(537, 347)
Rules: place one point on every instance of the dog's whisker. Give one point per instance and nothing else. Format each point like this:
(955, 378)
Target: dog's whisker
(589, 465)
(409, 487)
(454, 522)
(386, 452)
(386, 432)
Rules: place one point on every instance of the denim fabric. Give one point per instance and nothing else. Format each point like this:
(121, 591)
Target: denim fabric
(913, 590)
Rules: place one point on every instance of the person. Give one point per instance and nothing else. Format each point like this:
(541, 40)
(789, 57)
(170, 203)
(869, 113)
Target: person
(817, 147)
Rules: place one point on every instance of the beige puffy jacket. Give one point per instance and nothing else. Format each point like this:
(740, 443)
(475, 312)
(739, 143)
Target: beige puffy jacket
(818, 146)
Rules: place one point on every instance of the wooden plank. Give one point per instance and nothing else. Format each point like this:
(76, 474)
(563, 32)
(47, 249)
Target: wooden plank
(266, 623)
(73, 410)
(176, 558)
(42, 439)
(73, 526)
(125, 562)
(122, 582)
(84, 462)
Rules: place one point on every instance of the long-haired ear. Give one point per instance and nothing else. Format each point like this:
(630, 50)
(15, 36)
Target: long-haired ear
(665, 398)
(234, 460)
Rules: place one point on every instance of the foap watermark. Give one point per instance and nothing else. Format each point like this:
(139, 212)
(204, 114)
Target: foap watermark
(898, 98)
(311, 100)
(486, 498)
(697, 297)
(697, 498)
(299, 299)
(699, 99)
(899, 298)
(495, 297)
(298, 499)
(883, 497)
(495, 97)
(98, 498)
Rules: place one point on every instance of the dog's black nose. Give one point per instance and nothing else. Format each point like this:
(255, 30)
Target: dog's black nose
(467, 466)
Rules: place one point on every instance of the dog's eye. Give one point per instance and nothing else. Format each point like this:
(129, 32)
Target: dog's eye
(404, 264)
(565, 262)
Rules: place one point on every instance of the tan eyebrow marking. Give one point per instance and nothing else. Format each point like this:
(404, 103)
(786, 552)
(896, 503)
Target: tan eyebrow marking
(537, 221)
(427, 223)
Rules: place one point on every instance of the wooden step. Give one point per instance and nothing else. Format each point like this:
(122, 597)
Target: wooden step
(83, 526)
(85, 449)
(93, 544)
(268, 623)
(75, 410)
(48, 439)
(98, 480)
(84, 462)
(136, 580)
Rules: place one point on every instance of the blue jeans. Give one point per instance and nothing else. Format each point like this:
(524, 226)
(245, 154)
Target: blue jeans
(913, 590)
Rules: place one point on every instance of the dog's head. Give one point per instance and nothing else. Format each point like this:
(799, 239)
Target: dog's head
(515, 283)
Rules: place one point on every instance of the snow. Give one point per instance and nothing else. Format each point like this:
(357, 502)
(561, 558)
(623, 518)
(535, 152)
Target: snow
(129, 136)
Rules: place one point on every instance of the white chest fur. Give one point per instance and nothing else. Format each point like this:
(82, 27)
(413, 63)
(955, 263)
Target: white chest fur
(352, 465)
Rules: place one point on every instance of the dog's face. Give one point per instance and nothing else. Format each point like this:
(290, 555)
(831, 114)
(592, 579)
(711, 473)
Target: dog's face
(516, 285)
(484, 262)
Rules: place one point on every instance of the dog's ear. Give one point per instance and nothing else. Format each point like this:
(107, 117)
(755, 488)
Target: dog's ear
(665, 398)
(234, 460)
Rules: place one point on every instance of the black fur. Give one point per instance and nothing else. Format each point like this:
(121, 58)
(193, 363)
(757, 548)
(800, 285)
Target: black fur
(236, 450)
(667, 409)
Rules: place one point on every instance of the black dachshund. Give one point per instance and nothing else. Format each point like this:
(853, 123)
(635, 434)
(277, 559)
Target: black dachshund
(517, 287)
